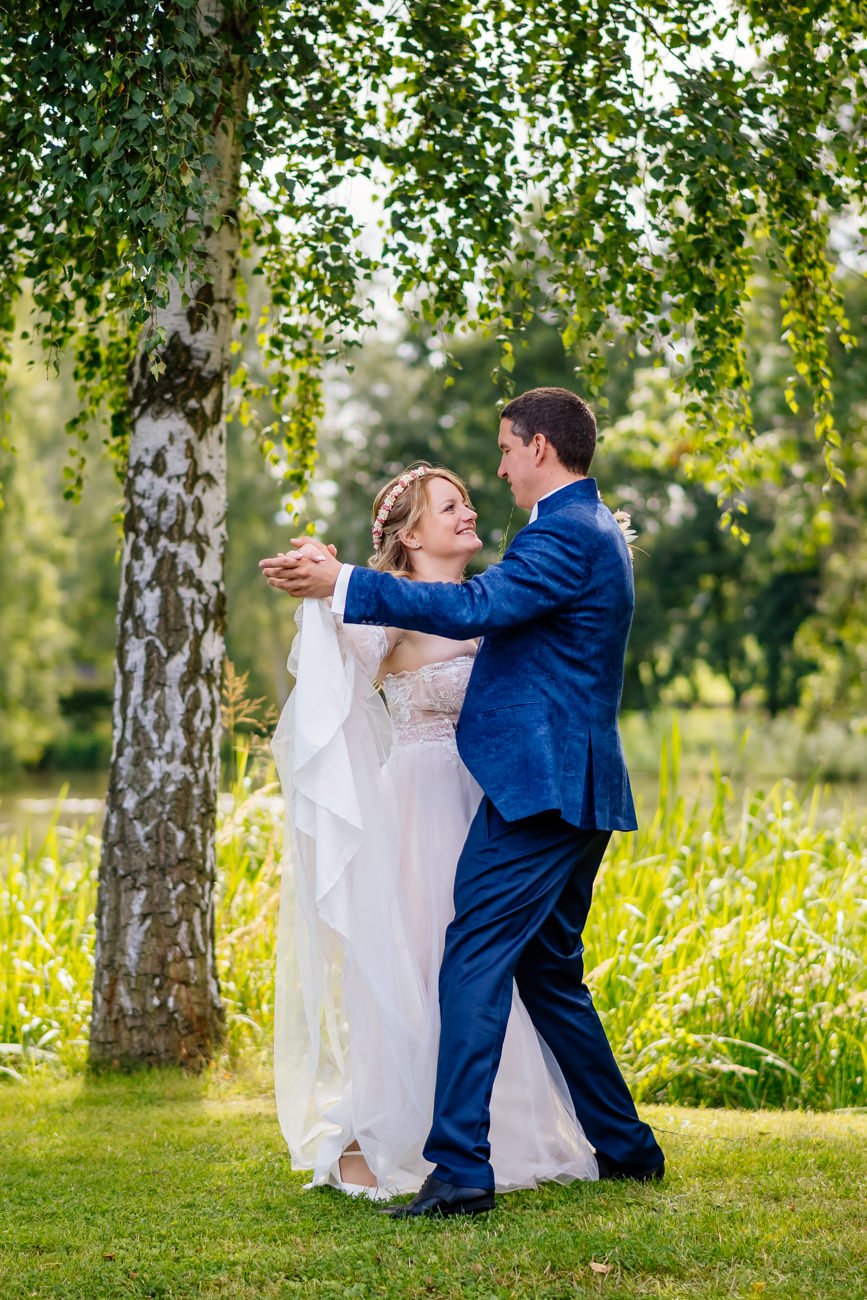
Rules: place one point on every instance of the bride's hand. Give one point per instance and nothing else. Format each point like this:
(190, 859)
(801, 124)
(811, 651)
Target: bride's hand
(312, 549)
(311, 570)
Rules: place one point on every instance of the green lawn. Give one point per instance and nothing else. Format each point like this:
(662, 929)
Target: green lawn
(166, 1186)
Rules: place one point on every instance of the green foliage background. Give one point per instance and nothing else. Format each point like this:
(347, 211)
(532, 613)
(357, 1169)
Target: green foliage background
(775, 625)
(676, 185)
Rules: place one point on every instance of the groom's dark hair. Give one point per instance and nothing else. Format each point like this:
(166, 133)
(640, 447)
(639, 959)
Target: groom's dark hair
(562, 417)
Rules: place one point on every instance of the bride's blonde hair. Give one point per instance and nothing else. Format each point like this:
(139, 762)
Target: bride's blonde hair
(391, 556)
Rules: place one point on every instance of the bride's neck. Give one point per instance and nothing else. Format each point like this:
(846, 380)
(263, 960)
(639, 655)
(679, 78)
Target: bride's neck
(427, 569)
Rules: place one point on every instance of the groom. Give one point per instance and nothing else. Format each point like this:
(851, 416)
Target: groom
(538, 731)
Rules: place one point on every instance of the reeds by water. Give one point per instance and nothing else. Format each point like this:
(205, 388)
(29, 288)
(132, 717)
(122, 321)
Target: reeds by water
(726, 947)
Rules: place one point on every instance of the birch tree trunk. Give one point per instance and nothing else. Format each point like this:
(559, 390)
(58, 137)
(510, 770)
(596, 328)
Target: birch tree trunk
(156, 994)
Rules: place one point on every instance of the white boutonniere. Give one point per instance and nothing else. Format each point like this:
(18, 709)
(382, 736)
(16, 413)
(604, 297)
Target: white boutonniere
(624, 521)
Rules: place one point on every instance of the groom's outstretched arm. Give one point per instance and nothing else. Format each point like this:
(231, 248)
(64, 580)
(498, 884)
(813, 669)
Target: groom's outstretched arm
(539, 574)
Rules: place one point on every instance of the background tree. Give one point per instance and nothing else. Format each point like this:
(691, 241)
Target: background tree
(834, 639)
(617, 147)
(59, 583)
(35, 658)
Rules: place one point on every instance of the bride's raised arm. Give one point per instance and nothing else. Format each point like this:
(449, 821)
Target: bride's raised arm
(370, 645)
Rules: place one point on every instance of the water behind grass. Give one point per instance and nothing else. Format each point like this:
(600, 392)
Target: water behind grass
(750, 750)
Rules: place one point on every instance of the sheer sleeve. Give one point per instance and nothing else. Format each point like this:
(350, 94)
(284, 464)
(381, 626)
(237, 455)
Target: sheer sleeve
(346, 980)
(369, 645)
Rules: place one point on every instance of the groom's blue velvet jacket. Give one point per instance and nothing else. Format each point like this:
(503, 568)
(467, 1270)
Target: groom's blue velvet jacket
(538, 729)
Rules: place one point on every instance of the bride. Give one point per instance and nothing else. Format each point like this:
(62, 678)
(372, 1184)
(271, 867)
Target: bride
(378, 805)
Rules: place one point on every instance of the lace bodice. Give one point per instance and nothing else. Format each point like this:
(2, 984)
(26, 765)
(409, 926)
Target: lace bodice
(424, 704)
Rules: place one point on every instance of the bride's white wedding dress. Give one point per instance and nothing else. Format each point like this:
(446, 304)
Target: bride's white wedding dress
(378, 805)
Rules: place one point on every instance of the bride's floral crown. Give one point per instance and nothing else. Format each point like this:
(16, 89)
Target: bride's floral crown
(387, 506)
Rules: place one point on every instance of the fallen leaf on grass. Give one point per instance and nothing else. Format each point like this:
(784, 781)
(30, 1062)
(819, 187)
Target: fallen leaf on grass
(599, 1268)
(107, 1255)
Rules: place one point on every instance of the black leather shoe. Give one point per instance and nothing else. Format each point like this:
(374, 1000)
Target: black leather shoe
(639, 1174)
(436, 1198)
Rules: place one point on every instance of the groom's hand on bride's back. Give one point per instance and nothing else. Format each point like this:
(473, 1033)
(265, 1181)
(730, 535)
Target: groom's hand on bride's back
(310, 570)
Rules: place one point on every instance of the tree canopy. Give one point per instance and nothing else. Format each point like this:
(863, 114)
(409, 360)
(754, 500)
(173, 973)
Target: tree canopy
(635, 155)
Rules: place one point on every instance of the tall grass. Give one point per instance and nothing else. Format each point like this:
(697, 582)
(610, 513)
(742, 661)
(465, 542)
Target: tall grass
(726, 948)
(47, 896)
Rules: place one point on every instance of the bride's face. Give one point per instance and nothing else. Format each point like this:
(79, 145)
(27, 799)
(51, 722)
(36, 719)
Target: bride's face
(448, 527)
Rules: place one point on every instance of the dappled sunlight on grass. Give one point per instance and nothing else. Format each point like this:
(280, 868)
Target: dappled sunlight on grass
(164, 1185)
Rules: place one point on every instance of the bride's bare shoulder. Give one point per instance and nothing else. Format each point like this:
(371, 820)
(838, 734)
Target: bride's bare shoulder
(414, 650)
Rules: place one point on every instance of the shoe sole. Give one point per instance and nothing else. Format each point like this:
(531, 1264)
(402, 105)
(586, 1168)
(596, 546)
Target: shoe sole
(441, 1212)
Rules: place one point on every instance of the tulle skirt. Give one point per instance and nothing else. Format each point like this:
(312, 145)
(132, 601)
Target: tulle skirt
(534, 1134)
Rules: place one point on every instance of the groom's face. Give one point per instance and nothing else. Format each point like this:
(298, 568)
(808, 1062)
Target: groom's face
(519, 466)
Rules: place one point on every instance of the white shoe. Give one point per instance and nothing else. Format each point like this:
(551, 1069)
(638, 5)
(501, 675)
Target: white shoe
(362, 1191)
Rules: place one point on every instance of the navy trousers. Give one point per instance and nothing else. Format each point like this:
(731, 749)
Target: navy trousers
(522, 894)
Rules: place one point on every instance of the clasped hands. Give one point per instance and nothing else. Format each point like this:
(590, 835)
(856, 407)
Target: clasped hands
(309, 571)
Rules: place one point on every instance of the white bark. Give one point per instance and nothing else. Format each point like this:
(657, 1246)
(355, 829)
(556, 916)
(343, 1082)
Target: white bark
(156, 995)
